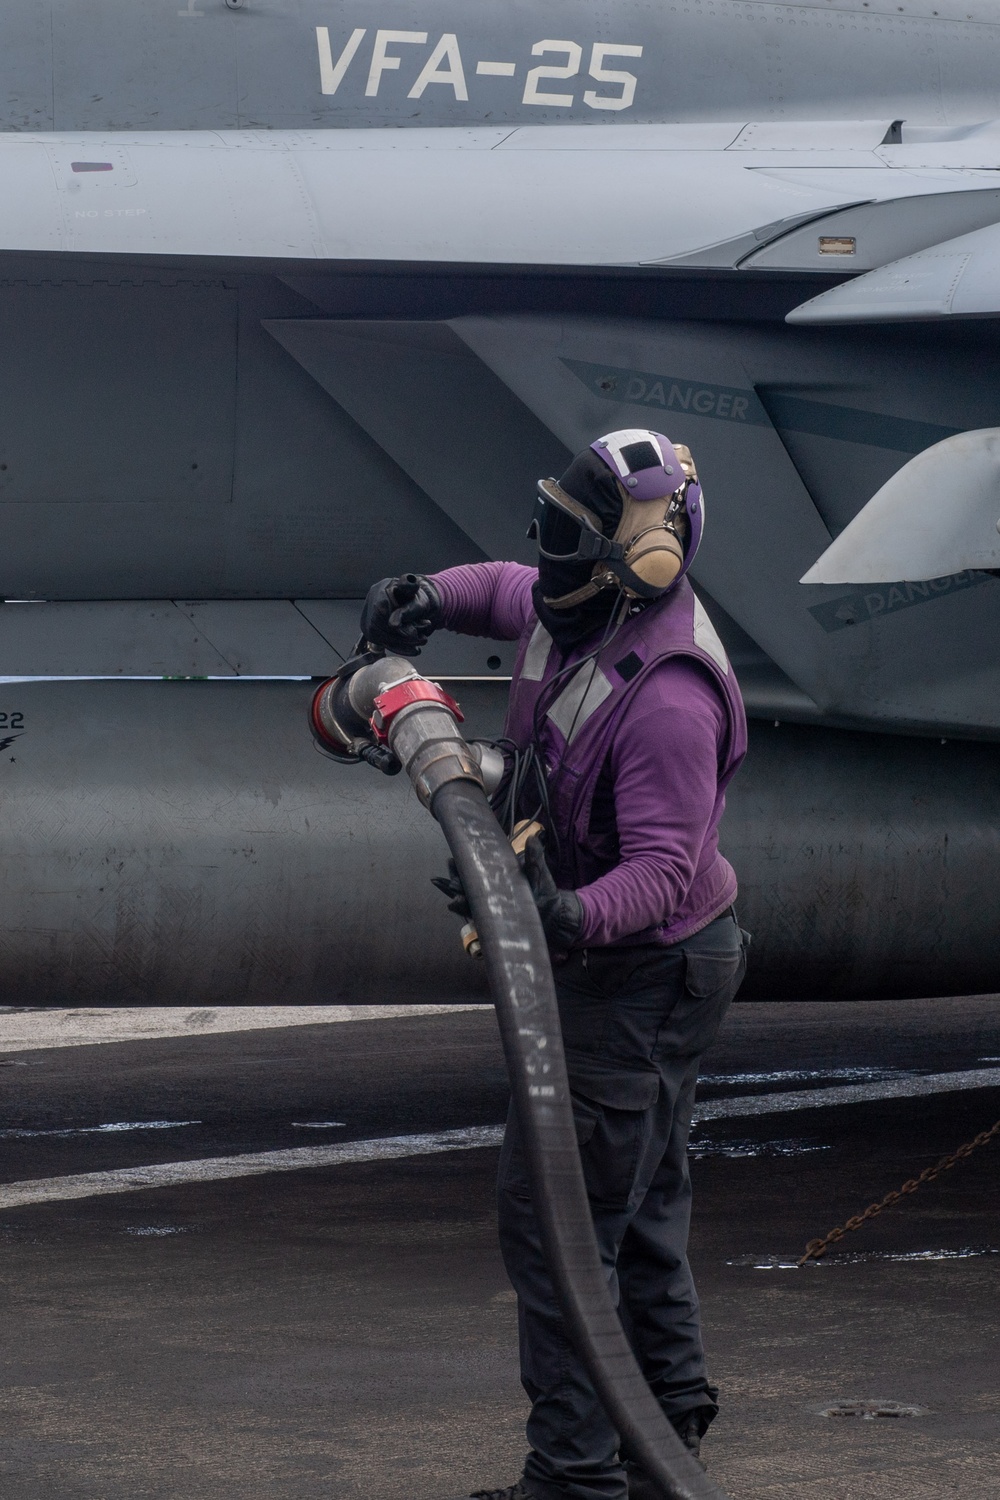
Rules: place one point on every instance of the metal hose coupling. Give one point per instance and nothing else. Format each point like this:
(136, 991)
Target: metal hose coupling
(384, 712)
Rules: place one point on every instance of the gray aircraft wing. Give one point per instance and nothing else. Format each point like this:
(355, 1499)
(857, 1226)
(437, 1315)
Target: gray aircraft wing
(954, 278)
(820, 197)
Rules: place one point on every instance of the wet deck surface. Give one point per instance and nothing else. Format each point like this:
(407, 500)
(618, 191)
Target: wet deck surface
(347, 1331)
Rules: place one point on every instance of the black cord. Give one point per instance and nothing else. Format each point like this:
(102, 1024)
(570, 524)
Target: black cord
(527, 763)
(508, 798)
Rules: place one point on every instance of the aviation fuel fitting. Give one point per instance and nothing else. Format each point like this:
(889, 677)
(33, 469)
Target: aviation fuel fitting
(383, 712)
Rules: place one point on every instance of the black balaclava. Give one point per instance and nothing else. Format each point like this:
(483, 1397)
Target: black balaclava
(588, 480)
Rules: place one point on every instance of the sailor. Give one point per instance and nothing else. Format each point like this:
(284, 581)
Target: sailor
(624, 727)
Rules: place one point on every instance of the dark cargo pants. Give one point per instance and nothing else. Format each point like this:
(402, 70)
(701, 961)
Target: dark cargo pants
(635, 1022)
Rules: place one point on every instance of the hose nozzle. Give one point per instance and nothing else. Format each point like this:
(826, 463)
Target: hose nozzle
(385, 713)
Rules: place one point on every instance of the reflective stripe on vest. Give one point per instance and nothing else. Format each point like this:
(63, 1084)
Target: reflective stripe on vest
(706, 639)
(581, 697)
(537, 654)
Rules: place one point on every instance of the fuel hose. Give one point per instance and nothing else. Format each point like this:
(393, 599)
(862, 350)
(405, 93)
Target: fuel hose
(423, 734)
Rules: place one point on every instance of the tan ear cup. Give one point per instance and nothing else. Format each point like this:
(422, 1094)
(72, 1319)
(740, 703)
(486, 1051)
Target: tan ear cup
(656, 558)
(686, 461)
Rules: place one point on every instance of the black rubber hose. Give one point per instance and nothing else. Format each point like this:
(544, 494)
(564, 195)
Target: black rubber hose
(520, 974)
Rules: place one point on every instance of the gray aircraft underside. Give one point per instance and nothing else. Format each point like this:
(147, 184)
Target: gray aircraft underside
(252, 363)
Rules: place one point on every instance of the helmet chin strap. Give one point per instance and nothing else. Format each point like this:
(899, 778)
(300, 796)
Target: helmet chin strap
(589, 590)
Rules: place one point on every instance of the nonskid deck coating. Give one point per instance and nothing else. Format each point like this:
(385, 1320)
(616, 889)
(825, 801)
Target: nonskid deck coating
(350, 1330)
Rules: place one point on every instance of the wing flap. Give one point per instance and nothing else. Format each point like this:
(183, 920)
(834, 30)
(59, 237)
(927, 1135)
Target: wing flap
(956, 278)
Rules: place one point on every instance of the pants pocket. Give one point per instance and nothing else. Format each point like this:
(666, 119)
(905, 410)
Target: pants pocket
(713, 972)
(611, 1141)
(611, 1138)
(585, 1117)
(708, 974)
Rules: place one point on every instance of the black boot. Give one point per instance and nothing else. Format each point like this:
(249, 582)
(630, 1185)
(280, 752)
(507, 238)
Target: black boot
(690, 1428)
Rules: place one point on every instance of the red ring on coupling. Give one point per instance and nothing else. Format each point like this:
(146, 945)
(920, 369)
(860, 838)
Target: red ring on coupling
(314, 710)
(401, 695)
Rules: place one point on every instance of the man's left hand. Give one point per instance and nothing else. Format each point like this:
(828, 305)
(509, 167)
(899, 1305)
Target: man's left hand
(452, 887)
(561, 911)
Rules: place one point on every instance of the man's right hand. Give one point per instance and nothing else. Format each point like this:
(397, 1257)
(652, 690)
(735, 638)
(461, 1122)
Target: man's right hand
(400, 614)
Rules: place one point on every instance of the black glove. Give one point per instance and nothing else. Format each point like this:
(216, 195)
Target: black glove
(400, 614)
(561, 911)
(451, 885)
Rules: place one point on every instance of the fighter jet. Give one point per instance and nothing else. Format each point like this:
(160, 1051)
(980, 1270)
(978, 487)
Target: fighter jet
(297, 296)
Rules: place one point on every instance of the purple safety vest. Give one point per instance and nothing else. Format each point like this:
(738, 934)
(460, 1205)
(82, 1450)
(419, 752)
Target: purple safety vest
(590, 705)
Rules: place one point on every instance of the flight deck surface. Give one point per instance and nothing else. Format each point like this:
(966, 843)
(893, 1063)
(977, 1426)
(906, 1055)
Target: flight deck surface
(340, 1322)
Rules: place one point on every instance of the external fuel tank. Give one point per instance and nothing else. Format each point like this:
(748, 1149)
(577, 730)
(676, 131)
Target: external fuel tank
(184, 843)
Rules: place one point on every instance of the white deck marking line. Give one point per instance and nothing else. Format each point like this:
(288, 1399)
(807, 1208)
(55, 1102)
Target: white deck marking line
(219, 1168)
(31, 1031)
(113, 1129)
(851, 1093)
(394, 1147)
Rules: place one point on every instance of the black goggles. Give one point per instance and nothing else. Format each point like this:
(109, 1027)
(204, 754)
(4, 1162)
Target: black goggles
(555, 512)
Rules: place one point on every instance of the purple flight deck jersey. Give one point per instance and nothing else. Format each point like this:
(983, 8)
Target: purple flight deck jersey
(655, 735)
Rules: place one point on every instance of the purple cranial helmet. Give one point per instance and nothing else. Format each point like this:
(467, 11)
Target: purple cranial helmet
(651, 468)
(657, 514)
